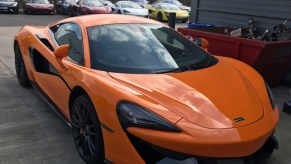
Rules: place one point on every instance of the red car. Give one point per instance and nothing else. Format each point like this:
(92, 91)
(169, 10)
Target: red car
(38, 6)
(84, 7)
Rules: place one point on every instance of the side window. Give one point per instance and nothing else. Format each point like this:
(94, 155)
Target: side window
(70, 33)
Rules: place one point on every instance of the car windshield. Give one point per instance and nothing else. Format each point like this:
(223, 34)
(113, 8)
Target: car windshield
(169, 7)
(93, 3)
(175, 2)
(40, 1)
(130, 5)
(142, 48)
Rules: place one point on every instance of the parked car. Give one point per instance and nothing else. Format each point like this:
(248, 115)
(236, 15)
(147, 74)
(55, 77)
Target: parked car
(177, 3)
(62, 6)
(10, 6)
(38, 6)
(84, 7)
(108, 3)
(160, 12)
(137, 91)
(131, 8)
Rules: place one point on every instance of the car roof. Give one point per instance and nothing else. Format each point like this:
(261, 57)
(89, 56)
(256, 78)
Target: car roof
(105, 19)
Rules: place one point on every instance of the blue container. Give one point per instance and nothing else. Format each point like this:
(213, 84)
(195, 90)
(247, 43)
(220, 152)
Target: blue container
(195, 25)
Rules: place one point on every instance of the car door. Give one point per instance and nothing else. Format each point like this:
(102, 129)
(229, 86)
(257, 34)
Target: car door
(51, 77)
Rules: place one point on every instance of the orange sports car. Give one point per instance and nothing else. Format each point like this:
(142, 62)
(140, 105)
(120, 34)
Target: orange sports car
(136, 91)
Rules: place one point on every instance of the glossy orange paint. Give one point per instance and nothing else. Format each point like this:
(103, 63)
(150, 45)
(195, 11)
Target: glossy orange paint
(202, 103)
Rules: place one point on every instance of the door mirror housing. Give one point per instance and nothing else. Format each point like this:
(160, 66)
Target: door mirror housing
(203, 43)
(62, 51)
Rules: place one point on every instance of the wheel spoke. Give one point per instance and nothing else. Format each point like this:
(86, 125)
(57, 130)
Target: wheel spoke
(91, 143)
(90, 147)
(91, 133)
(78, 112)
(91, 126)
(87, 115)
(85, 148)
(76, 122)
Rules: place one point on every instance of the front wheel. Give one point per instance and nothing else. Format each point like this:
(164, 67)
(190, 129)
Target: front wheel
(86, 130)
(20, 68)
(185, 20)
(160, 17)
(266, 151)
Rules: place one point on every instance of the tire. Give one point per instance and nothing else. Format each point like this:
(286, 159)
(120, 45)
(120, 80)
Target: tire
(160, 17)
(118, 12)
(20, 68)
(185, 20)
(264, 153)
(86, 130)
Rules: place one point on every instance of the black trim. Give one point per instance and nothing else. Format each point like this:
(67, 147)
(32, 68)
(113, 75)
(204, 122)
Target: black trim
(47, 100)
(53, 70)
(106, 127)
(106, 161)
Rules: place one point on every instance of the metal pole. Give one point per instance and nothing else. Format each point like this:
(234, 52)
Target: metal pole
(172, 20)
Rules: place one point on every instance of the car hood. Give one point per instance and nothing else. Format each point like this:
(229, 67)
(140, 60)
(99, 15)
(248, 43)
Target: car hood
(40, 5)
(137, 11)
(7, 4)
(185, 8)
(213, 97)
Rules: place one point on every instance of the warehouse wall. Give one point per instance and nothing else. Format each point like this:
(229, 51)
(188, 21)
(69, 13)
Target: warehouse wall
(234, 13)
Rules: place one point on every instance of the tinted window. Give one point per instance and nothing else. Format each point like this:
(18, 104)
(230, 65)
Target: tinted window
(169, 7)
(40, 1)
(142, 48)
(70, 33)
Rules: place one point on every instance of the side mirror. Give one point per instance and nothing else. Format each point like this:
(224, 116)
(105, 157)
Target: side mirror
(62, 51)
(203, 43)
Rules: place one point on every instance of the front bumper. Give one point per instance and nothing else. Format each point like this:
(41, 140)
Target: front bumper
(40, 10)
(178, 18)
(215, 143)
(9, 9)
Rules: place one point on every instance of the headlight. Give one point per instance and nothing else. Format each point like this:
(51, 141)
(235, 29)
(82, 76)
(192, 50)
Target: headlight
(14, 5)
(131, 115)
(126, 12)
(271, 96)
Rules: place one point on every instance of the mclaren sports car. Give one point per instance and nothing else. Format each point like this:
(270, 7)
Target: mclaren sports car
(136, 91)
(161, 11)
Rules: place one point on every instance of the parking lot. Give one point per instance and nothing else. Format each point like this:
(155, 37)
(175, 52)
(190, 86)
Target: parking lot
(31, 133)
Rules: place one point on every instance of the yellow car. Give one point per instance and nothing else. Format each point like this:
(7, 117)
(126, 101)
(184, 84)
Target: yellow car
(160, 12)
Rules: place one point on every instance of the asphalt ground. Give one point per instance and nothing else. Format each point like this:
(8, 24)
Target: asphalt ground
(31, 133)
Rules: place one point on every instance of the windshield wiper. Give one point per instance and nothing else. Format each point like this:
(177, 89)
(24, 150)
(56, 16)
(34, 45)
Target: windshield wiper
(180, 69)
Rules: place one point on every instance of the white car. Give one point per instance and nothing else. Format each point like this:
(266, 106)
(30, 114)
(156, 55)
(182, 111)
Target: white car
(131, 8)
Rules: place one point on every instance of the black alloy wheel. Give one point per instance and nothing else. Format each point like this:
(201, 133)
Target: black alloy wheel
(160, 17)
(20, 68)
(87, 130)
